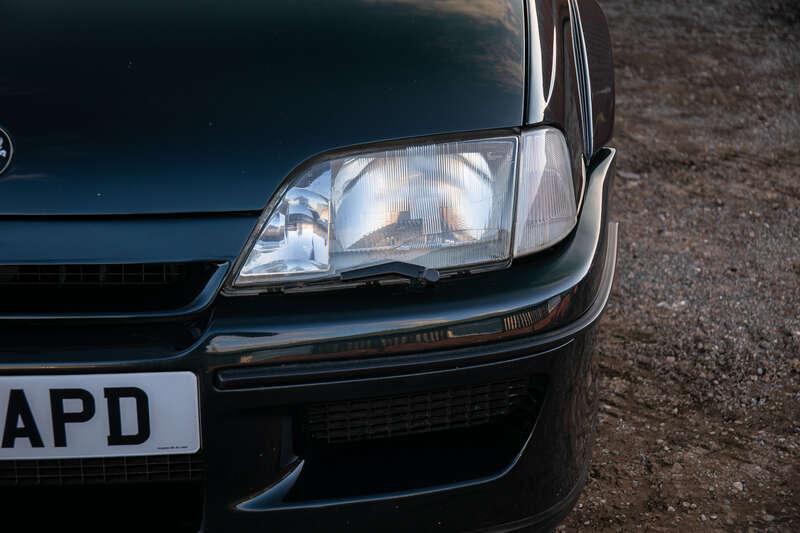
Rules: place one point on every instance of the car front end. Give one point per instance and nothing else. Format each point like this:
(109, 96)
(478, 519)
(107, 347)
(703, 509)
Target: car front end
(297, 266)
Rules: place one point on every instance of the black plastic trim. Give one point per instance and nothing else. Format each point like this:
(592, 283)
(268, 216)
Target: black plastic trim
(546, 520)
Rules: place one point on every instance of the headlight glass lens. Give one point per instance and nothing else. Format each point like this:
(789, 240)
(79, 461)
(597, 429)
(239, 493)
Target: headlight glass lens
(438, 205)
(546, 206)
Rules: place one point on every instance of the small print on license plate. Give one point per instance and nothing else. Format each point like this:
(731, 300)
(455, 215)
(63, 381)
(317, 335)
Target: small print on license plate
(98, 415)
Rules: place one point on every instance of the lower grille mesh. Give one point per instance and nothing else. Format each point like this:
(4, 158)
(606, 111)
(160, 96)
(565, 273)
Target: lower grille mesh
(395, 416)
(110, 470)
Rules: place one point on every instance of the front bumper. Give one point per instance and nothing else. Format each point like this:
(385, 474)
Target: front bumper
(258, 366)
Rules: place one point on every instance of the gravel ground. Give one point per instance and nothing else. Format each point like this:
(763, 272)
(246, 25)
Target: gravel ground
(699, 350)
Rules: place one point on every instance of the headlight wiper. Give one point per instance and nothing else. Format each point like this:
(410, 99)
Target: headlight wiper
(415, 273)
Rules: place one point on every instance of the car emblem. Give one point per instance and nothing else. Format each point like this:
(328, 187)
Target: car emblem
(6, 150)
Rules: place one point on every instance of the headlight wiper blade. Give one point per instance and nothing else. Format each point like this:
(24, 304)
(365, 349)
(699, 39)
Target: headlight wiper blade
(416, 273)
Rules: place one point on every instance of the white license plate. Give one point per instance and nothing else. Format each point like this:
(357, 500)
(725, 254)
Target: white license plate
(98, 415)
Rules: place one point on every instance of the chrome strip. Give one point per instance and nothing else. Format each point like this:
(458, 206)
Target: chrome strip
(537, 100)
(585, 85)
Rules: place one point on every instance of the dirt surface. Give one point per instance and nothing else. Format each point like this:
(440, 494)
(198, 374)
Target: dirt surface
(699, 351)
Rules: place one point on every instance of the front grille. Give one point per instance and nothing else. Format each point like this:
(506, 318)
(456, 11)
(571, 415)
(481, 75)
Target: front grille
(108, 470)
(96, 275)
(395, 416)
(101, 288)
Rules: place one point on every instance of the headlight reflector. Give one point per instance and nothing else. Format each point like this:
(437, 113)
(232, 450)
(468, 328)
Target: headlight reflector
(295, 238)
(437, 205)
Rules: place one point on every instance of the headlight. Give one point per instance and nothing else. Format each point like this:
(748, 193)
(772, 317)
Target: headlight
(546, 208)
(439, 206)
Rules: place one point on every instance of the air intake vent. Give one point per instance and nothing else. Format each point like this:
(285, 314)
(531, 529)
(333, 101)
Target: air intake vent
(395, 416)
(97, 289)
(92, 275)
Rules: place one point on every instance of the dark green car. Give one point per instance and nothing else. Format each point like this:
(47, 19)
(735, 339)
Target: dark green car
(301, 266)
